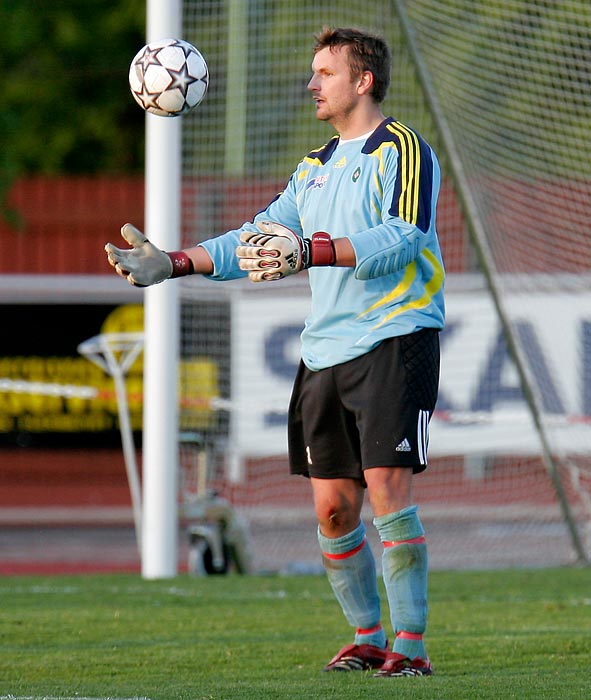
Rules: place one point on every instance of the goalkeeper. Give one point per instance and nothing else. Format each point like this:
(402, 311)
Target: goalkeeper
(359, 215)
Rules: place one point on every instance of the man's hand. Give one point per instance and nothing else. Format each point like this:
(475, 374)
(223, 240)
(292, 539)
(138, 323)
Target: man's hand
(143, 264)
(272, 254)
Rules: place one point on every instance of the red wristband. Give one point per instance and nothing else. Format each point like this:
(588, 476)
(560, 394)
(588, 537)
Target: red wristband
(181, 264)
(322, 249)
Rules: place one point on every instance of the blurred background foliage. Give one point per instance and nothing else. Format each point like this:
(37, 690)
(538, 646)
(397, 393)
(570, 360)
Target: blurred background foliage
(66, 107)
(65, 100)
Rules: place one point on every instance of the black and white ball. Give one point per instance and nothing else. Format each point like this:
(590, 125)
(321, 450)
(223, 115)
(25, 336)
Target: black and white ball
(168, 77)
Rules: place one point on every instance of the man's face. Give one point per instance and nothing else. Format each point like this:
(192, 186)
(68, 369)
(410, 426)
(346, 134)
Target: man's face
(333, 89)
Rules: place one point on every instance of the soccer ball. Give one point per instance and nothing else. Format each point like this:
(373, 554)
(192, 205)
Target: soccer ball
(168, 77)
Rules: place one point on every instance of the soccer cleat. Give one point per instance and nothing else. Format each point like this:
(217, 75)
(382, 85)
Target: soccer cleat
(398, 665)
(357, 657)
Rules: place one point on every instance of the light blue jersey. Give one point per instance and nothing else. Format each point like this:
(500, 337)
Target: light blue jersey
(381, 193)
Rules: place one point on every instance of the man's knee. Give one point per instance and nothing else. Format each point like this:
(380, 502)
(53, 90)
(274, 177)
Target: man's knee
(338, 506)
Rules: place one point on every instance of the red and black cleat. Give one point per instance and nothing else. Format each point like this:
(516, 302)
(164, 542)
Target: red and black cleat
(398, 665)
(357, 657)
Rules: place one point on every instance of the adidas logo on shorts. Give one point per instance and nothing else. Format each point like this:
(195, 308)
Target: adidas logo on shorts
(404, 446)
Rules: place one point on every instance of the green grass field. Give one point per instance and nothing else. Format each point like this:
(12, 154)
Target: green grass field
(501, 634)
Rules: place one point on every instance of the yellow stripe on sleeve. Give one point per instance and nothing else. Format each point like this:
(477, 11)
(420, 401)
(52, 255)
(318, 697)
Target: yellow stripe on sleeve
(432, 287)
(410, 168)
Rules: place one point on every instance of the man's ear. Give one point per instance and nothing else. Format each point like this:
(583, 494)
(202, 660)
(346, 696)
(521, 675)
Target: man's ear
(365, 82)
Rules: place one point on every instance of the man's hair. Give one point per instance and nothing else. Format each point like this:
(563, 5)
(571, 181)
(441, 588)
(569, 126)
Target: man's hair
(366, 52)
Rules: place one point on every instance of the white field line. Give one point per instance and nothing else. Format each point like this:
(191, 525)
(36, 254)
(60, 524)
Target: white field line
(65, 697)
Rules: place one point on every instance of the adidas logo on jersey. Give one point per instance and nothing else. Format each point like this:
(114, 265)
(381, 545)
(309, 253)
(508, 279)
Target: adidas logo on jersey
(404, 446)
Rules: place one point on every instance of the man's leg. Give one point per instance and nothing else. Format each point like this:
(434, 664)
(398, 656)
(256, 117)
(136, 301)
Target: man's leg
(404, 562)
(351, 571)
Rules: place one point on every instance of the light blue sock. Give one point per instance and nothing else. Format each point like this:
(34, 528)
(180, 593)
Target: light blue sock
(404, 565)
(351, 572)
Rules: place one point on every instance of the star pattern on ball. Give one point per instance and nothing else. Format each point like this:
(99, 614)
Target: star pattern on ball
(181, 79)
(149, 99)
(148, 58)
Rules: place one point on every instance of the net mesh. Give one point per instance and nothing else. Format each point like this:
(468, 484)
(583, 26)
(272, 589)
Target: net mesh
(512, 85)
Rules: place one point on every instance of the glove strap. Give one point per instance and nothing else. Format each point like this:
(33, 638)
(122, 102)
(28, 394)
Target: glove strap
(181, 264)
(319, 250)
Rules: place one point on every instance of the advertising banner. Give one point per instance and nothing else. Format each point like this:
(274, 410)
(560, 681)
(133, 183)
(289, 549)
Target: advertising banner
(481, 409)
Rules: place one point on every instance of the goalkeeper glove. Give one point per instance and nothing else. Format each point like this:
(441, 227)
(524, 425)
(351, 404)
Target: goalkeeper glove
(144, 264)
(277, 252)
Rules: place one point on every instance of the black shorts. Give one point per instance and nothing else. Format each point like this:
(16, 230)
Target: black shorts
(372, 411)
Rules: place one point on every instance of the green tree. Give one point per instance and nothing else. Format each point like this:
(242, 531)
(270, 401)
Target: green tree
(65, 100)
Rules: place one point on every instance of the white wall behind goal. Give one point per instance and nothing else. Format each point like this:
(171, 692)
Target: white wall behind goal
(481, 409)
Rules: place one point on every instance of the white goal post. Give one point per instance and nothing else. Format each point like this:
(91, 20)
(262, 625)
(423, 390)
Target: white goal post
(159, 558)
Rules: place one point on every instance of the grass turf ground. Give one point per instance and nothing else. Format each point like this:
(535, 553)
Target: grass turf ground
(500, 634)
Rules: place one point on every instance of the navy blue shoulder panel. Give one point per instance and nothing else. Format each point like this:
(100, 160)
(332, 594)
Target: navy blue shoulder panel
(414, 181)
(322, 155)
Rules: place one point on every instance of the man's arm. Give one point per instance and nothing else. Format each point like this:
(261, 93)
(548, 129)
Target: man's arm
(344, 253)
(144, 264)
(202, 263)
(275, 251)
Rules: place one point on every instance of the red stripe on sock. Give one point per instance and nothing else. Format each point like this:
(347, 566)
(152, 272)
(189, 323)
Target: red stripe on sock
(415, 540)
(370, 630)
(345, 555)
(409, 635)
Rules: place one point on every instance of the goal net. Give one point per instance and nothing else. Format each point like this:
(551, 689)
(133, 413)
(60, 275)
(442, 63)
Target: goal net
(501, 90)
